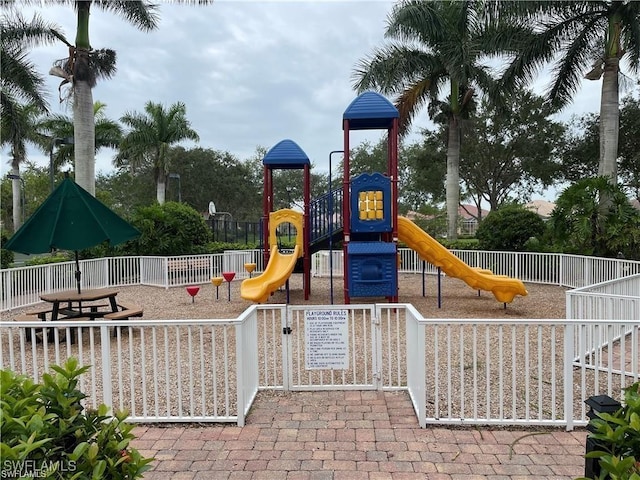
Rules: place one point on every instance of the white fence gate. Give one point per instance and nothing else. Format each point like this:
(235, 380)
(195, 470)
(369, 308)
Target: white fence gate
(331, 348)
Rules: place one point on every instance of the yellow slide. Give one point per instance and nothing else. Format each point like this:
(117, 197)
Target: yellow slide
(503, 288)
(279, 269)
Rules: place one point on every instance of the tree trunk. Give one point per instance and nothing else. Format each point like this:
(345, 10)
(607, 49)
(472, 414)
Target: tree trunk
(609, 121)
(161, 190)
(16, 191)
(453, 179)
(84, 137)
(83, 116)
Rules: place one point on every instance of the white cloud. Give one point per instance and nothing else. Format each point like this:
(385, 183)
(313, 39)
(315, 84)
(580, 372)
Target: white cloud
(250, 73)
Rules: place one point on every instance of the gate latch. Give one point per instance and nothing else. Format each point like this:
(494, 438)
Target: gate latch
(286, 330)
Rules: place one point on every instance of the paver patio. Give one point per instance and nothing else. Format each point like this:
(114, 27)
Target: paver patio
(344, 435)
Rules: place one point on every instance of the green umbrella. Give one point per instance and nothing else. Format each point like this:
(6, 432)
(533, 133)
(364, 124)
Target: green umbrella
(70, 219)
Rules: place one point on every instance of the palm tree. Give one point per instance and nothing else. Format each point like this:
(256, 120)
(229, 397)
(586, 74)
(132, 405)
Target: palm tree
(434, 45)
(108, 133)
(21, 93)
(20, 82)
(21, 127)
(151, 136)
(583, 38)
(85, 65)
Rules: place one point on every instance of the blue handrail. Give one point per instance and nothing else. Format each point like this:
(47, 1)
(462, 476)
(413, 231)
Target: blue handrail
(325, 215)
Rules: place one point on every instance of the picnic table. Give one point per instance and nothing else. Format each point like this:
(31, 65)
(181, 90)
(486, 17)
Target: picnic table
(71, 304)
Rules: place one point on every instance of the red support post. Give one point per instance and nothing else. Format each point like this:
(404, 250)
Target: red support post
(307, 233)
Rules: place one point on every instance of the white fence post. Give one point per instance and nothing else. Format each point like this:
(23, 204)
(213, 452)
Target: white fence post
(240, 373)
(569, 355)
(105, 347)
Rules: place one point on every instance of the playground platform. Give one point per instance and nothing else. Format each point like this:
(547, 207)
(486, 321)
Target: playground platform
(344, 435)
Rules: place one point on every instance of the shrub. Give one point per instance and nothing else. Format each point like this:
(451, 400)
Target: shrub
(58, 257)
(6, 256)
(461, 244)
(221, 247)
(618, 435)
(47, 433)
(170, 229)
(594, 217)
(509, 228)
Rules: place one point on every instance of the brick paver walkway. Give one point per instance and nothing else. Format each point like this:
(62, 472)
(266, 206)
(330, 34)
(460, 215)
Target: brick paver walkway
(359, 435)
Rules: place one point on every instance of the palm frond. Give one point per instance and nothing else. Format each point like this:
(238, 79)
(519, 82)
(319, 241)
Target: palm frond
(20, 79)
(16, 30)
(568, 72)
(391, 68)
(142, 14)
(630, 14)
(103, 63)
(410, 101)
(417, 20)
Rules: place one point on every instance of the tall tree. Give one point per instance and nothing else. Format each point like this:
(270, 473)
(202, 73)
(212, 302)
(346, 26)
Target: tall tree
(150, 136)
(85, 65)
(580, 156)
(512, 154)
(630, 144)
(580, 225)
(22, 97)
(434, 45)
(209, 175)
(420, 175)
(20, 81)
(580, 160)
(582, 38)
(107, 133)
(23, 126)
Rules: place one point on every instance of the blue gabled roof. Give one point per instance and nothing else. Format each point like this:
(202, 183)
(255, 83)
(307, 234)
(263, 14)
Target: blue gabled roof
(286, 154)
(370, 110)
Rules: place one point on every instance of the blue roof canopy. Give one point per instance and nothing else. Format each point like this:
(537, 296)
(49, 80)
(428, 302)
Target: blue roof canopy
(370, 110)
(286, 154)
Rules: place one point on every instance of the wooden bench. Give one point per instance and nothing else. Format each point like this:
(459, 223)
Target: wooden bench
(33, 317)
(40, 313)
(93, 307)
(176, 267)
(27, 317)
(126, 312)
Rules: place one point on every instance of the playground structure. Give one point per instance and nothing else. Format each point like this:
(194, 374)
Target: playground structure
(363, 213)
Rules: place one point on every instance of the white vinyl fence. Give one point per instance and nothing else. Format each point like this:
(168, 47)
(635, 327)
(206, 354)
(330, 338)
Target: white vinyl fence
(159, 371)
(457, 371)
(23, 286)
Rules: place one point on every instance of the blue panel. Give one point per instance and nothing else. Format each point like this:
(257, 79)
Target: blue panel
(370, 110)
(371, 248)
(372, 269)
(366, 182)
(286, 154)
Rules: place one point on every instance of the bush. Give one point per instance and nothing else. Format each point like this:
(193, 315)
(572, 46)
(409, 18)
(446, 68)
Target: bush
(618, 435)
(170, 229)
(58, 257)
(509, 228)
(461, 244)
(221, 247)
(6, 256)
(594, 217)
(47, 433)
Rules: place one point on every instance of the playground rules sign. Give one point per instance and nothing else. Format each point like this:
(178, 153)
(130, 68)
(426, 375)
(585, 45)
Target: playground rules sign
(327, 339)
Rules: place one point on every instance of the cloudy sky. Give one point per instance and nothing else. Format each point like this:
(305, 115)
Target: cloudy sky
(250, 73)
